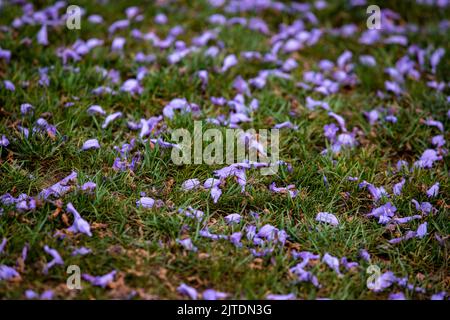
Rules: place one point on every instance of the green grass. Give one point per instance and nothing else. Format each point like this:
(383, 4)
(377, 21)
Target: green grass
(140, 243)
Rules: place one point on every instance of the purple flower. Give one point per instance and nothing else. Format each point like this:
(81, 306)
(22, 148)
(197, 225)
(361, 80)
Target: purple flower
(303, 275)
(368, 60)
(4, 142)
(117, 44)
(384, 213)
(190, 184)
(288, 189)
(327, 218)
(363, 253)
(332, 262)
(235, 238)
(372, 116)
(145, 202)
(435, 123)
(42, 37)
(187, 290)
(90, 144)
(398, 187)
(211, 294)
(439, 296)
(433, 191)
(95, 19)
(422, 230)
(286, 124)
(57, 260)
(384, 281)
(26, 108)
(348, 265)
(117, 25)
(111, 118)
(407, 219)
(427, 159)
(203, 76)
(79, 224)
(88, 186)
(330, 131)
(425, 207)
(436, 58)
(267, 231)
(393, 87)
(339, 119)
(192, 213)
(229, 61)
(160, 18)
(438, 141)
(289, 296)
(5, 54)
(132, 86)
(397, 296)
(100, 281)
(241, 86)
(233, 218)
(81, 251)
(187, 244)
(377, 192)
(215, 192)
(60, 188)
(9, 85)
(7, 273)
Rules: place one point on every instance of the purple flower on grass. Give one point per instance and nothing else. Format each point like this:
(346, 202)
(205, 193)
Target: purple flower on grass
(187, 244)
(422, 230)
(57, 260)
(398, 187)
(145, 202)
(425, 207)
(90, 144)
(111, 118)
(383, 282)
(211, 294)
(235, 238)
(327, 218)
(81, 251)
(5, 54)
(233, 218)
(397, 296)
(4, 142)
(433, 191)
(438, 141)
(384, 213)
(100, 281)
(347, 264)
(229, 61)
(435, 123)
(188, 291)
(161, 18)
(26, 108)
(332, 262)
(79, 224)
(9, 85)
(88, 186)
(7, 273)
(190, 184)
(289, 296)
(439, 296)
(427, 159)
(95, 109)
(42, 37)
(364, 254)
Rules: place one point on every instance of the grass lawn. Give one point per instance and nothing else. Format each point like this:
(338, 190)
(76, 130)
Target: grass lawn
(395, 110)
